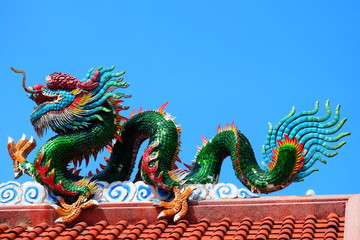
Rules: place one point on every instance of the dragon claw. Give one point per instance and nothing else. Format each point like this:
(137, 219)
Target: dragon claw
(18, 174)
(70, 212)
(178, 207)
(19, 152)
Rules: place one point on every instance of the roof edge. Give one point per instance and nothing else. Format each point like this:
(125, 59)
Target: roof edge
(352, 218)
(278, 208)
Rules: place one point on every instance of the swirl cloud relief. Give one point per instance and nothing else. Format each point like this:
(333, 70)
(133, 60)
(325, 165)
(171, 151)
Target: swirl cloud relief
(14, 193)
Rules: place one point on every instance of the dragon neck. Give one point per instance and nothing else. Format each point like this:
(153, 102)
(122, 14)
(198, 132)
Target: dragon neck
(56, 154)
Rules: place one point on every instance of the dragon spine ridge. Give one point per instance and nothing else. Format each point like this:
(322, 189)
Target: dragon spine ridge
(86, 116)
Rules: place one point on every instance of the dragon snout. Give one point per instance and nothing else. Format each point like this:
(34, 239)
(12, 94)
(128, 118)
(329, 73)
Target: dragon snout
(38, 86)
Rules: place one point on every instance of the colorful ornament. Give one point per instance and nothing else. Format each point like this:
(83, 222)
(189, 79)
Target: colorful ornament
(86, 117)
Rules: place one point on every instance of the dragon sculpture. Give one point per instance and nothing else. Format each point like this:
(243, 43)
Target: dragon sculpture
(85, 115)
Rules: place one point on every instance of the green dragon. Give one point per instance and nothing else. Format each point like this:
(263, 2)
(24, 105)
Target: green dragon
(85, 115)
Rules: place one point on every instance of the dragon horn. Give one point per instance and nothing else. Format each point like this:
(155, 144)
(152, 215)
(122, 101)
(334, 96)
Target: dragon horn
(91, 83)
(24, 80)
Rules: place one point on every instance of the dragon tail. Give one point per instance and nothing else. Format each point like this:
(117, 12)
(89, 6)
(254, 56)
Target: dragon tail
(314, 134)
(292, 148)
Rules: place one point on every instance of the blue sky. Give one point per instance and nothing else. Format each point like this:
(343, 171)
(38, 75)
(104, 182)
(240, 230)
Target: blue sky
(214, 61)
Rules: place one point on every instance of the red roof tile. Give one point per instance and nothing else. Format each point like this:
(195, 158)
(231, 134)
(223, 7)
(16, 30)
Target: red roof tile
(275, 223)
(310, 228)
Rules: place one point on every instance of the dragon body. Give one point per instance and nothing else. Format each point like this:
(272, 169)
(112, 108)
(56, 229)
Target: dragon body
(86, 117)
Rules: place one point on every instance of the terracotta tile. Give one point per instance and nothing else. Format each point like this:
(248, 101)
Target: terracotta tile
(157, 230)
(179, 229)
(313, 226)
(14, 232)
(244, 228)
(3, 228)
(94, 231)
(310, 228)
(75, 231)
(29, 236)
(199, 229)
(121, 225)
(265, 228)
(307, 235)
(221, 229)
(35, 232)
(50, 235)
(331, 233)
(284, 236)
(53, 232)
(136, 230)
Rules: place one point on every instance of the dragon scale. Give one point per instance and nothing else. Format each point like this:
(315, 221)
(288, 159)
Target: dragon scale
(86, 117)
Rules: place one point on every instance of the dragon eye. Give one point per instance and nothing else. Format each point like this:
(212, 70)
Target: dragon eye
(75, 92)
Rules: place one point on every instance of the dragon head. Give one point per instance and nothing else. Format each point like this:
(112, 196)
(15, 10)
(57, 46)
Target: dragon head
(65, 103)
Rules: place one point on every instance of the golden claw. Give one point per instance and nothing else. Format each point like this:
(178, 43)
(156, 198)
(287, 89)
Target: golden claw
(71, 211)
(178, 207)
(19, 151)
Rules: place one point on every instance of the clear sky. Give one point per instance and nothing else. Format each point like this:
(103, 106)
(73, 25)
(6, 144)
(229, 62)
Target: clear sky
(214, 61)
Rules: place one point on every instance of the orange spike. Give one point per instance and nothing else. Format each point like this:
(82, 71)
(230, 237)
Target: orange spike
(109, 149)
(132, 113)
(106, 159)
(77, 172)
(140, 110)
(204, 140)
(286, 137)
(219, 130)
(118, 137)
(188, 166)
(198, 148)
(162, 108)
(178, 159)
(233, 127)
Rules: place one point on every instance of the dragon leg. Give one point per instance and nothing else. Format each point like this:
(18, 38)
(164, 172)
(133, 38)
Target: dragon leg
(178, 207)
(70, 212)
